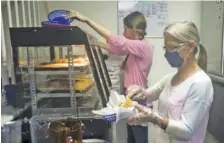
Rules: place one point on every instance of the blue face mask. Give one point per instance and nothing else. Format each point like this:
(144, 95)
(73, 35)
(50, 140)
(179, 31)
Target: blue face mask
(174, 59)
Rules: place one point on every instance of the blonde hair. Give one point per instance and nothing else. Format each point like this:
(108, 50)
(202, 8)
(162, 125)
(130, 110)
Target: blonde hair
(185, 31)
(137, 22)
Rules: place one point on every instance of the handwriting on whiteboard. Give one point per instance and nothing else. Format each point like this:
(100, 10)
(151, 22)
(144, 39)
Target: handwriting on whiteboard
(155, 12)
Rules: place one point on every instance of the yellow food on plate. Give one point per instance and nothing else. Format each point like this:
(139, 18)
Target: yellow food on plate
(82, 76)
(83, 84)
(127, 103)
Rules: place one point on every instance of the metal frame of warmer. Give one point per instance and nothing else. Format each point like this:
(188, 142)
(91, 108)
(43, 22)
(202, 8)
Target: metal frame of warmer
(60, 36)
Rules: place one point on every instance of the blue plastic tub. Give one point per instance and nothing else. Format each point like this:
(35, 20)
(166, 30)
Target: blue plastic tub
(59, 16)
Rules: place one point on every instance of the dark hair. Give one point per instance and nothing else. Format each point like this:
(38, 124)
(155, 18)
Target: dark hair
(137, 22)
(123, 65)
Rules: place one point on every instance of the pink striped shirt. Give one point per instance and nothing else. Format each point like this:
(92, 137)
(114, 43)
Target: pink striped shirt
(139, 61)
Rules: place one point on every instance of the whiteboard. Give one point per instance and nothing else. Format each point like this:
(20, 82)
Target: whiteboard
(155, 12)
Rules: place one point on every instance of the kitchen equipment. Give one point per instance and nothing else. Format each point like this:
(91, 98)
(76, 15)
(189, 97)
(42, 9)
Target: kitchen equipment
(66, 131)
(52, 23)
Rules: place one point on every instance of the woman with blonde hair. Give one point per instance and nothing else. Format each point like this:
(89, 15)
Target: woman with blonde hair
(184, 97)
(137, 63)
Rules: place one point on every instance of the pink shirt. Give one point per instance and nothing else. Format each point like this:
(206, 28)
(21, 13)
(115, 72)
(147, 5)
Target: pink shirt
(139, 61)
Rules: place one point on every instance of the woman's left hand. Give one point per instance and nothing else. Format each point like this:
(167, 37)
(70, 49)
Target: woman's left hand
(144, 115)
(77, 15)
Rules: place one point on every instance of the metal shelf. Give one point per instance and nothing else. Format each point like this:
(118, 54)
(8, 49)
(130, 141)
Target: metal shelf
(55, 72)
(57, 95)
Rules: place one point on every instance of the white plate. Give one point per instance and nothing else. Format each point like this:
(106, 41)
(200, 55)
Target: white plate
(93, 141)
(104, 111)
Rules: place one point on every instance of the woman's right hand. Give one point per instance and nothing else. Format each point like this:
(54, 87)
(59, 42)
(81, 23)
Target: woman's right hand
(136, 92)
(77, 15)
(144, 115)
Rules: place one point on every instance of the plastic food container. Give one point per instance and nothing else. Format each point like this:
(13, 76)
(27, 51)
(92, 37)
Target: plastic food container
(59, 16)
(56, 129)
(11, 132)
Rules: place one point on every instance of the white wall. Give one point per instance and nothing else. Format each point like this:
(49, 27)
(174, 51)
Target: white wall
(7, 55)
(211, 29)
(94, 10)
(186, 10)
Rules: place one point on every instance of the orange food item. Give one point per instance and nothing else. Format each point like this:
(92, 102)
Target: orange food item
(56, 61)
(83, 84)
(79, 60)
(63, 62)
(63, 84)
(23, 63)
(82, 76)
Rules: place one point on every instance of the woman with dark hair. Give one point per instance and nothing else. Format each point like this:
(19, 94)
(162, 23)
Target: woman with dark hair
(137, 63)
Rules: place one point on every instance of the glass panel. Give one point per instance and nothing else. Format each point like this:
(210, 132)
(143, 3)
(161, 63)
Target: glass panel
(211, 31)
(223, 48)
(103, 66)
(53, 81)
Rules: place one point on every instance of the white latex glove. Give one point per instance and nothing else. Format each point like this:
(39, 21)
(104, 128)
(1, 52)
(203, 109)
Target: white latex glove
(144, 115)
(136, 93)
